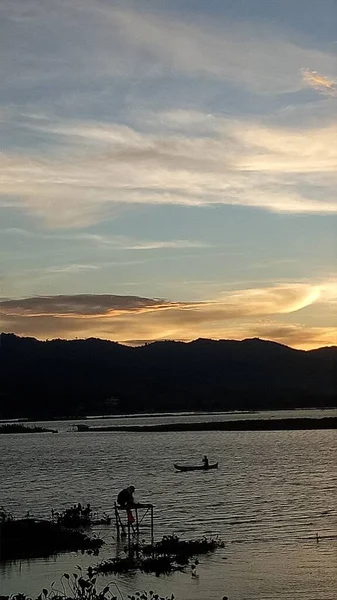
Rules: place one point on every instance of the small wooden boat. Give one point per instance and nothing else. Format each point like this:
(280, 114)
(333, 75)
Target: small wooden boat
(196, 467)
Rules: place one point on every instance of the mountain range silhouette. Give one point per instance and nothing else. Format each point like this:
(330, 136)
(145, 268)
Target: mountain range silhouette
(60, 378)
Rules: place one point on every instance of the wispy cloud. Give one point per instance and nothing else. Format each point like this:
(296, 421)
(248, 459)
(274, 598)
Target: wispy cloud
(296, 335)
(88, 170)
(74, 268)
(117, 106)
(80, 305)
(117, 242)
(145, 43)
(127, 318)
(242, 163)
(323, 84)
(259, 57)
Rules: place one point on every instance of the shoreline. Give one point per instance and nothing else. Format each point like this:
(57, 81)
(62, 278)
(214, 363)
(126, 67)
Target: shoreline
(304, 423)
(152, 415)
(10, 428)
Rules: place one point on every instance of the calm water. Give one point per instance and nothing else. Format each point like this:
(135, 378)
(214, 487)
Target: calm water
(272, 492)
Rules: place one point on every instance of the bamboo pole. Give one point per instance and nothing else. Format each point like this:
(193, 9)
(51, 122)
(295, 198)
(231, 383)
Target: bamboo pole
(130, 529)
(152, 534)
(129, 536)
(117, 523)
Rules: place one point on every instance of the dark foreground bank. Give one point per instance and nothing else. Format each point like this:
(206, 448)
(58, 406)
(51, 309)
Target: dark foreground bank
(26, 538)
(244, 425)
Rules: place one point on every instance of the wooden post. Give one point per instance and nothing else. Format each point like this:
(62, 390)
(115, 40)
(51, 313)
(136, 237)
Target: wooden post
(129, 536)
(133, 529)
(152, 535)
(117, 523)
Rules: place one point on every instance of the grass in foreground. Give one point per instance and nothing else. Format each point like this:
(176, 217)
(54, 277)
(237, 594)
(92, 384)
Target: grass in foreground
(77, 587)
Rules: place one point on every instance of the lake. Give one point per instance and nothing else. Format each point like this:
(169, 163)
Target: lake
(273, 492)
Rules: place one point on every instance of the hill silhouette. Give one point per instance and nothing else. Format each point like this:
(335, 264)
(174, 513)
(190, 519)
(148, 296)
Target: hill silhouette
(61, 378)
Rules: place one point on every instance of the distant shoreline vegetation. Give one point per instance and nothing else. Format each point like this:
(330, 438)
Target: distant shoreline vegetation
(242, 425)
(72, 379)
(18, 428)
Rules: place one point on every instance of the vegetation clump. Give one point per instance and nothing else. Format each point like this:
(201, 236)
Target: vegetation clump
(159, 565)
(168, 555)
(70, 587)
(79, 516)
(173, 545)
(25, 538)
(78, 587)
(18, 428)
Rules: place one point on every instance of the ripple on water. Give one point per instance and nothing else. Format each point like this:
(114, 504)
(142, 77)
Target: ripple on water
(272, 492)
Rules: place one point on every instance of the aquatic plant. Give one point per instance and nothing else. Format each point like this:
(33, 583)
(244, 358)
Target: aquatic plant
(17, 428)
(23, 538)
(71, 587)
(173, 545)
(168, 555)
(79, 516)
(74, 517)
(149, 596)
(159, 565)
(5, 515)
(105, 594)
(79, 587)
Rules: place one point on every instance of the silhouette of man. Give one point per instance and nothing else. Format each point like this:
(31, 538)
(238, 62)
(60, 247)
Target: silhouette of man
(125, 497)
(126, 500)
(205, 461)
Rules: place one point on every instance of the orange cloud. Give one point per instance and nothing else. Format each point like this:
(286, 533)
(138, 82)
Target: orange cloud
(319, 82)
(236, 314)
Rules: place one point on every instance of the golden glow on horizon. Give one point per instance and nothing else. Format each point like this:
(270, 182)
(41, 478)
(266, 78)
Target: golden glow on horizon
(236, 315)
(186, 153)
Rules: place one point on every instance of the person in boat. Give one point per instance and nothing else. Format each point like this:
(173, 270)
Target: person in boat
(205, 461)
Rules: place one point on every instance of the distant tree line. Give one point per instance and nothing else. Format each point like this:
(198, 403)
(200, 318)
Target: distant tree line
(62, 378)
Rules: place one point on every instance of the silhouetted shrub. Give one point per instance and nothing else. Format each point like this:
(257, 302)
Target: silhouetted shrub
(25, 538)
(170, 554)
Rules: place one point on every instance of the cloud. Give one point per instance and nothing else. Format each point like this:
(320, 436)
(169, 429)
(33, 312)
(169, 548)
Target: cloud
(108, 168)
(52, 47)
(80, 305)
(117, 242)
(73, 173)
(319, 82)
(256, 56)
(235, 314)
(74, 268)
(296, 335)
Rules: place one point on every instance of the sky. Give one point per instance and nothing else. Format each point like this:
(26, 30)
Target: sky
(168, 170)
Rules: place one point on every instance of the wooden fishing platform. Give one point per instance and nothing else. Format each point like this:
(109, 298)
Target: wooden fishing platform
(125, 528)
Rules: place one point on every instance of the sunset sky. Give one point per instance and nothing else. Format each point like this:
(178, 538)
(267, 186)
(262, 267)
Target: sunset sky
(168, 169)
